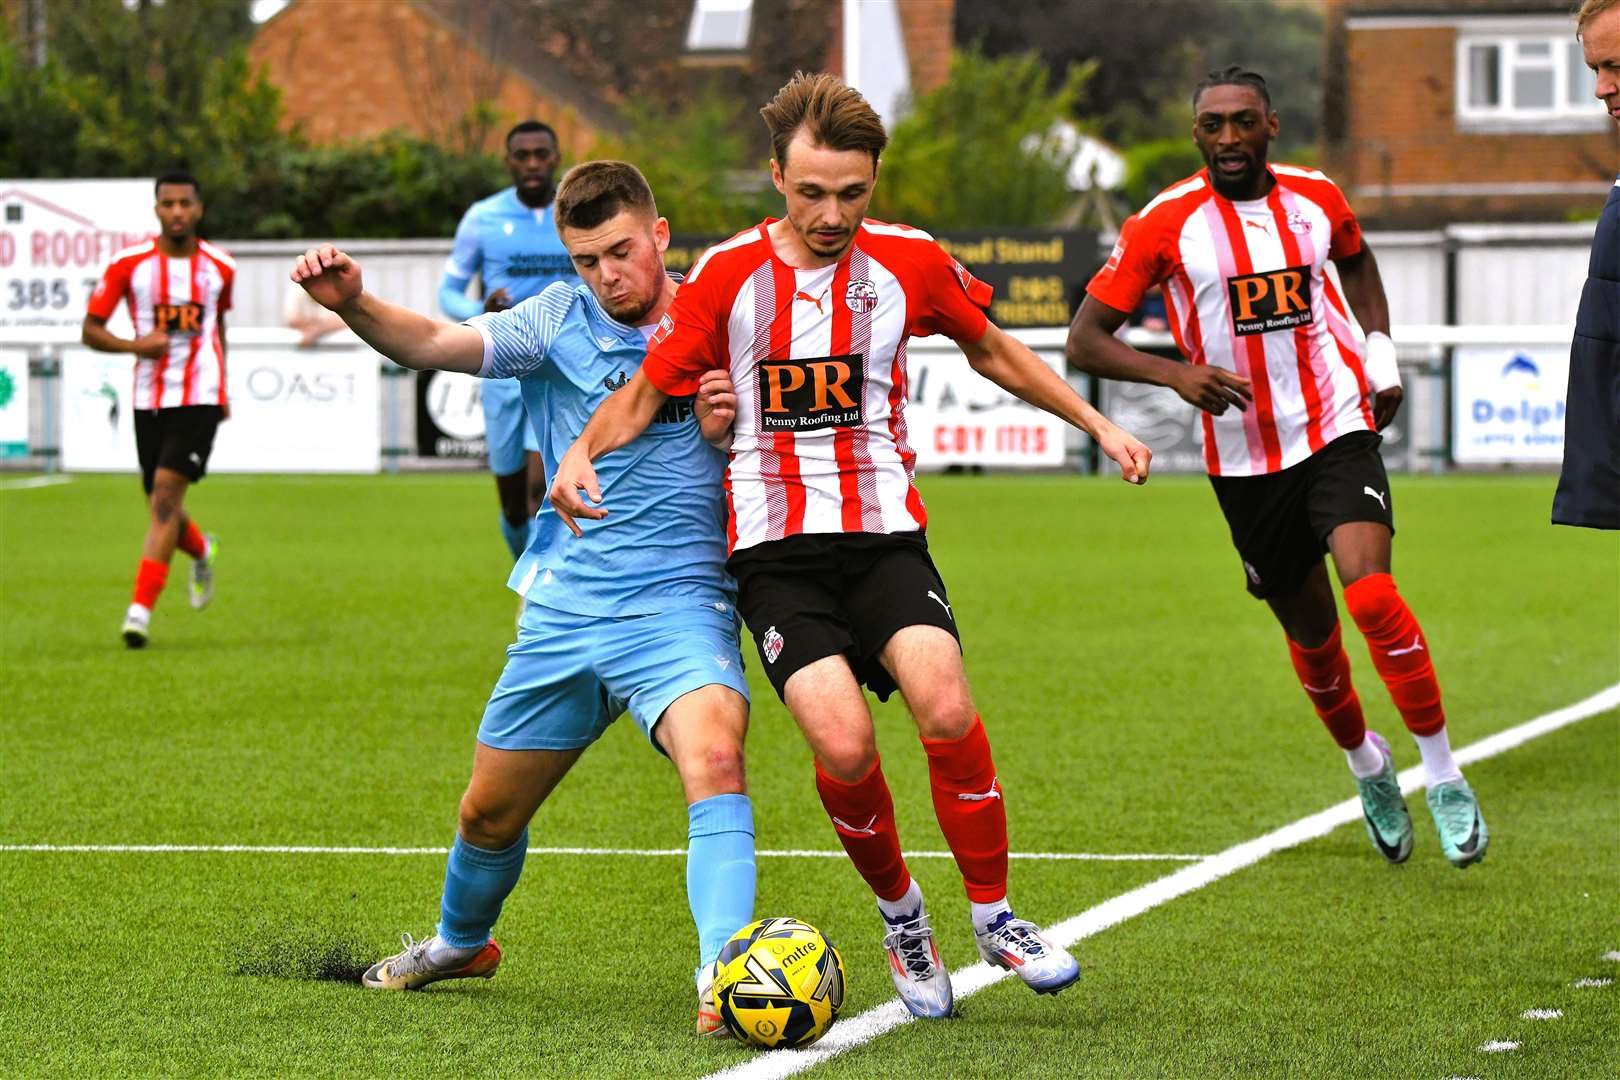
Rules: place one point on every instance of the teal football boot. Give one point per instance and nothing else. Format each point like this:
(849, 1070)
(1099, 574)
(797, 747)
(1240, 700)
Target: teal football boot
(1463, 836)
(1388, 823)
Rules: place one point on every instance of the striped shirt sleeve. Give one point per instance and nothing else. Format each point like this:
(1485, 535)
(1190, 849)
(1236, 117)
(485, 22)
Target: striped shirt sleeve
(516, 340)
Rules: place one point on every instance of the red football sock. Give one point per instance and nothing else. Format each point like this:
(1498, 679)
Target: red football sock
(863, 815)
(967, 801)
(1399, 652)
(149, 582)
(192, 541)
(1324, 672)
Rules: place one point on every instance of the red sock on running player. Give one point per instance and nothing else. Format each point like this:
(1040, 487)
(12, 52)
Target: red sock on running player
(192, 541)
(1399, 652)
(863, 815)
(967, 801)
(149, 581)
(1324, 672)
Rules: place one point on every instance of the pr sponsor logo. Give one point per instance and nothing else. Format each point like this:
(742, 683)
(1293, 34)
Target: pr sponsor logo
(1274, 300)
(810, 394)
(183, 318)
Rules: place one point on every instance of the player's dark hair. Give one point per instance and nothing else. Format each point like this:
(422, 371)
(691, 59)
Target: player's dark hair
(178, 176)
(1233, 75)
(531, 127)
(595, 191)
(834, 115)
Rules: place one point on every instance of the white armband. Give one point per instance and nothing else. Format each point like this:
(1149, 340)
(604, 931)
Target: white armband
(1382, 370)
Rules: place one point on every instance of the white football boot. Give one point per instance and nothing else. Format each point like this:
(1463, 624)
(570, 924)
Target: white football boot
(136, 621)
(200, 589)
(914, 964)
(709, 1022)
(1017, 945)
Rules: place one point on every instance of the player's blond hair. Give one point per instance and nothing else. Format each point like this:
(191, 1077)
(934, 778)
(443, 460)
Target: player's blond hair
(595, 191)
(832, 114)
(1591, 9)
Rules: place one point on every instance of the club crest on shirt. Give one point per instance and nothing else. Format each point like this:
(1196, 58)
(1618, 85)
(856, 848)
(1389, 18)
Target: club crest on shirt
(1299, 222)
(860, 296)
(771, 645)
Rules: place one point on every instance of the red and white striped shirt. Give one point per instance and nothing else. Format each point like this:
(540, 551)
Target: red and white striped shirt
(1245, 288)
(185, 298)
(818, 358)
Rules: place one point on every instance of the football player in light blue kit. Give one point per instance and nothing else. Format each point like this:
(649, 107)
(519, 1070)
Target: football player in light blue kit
(642, 619)
(510, 242)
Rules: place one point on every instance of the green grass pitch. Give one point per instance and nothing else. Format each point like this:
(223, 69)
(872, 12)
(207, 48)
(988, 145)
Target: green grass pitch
(1137, 700)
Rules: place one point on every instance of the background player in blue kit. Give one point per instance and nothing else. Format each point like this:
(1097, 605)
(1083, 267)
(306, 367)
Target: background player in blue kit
(642, 621)
(510, 242)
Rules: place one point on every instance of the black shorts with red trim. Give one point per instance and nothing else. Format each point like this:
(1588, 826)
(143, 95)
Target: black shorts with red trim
(1280, 521)
(816, 595)
(180, 438)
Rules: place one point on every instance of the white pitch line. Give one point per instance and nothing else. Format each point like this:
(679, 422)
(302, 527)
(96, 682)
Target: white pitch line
(1592, 984)
(861, 1029)
(1612, 954)
(34, 482)
(1499, 1046)
(1541, 1014)
(302, 849)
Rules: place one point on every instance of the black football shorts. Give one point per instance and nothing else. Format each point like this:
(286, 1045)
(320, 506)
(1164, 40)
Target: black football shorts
(815, 595)
(180, 439)
(1280, 521)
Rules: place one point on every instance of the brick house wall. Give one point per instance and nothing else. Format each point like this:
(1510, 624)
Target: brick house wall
(1393, 137)
(401, 68)
(421, 65)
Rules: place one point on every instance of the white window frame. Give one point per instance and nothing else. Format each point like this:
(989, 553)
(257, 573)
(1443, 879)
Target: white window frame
(1565, 117)
(698, 32)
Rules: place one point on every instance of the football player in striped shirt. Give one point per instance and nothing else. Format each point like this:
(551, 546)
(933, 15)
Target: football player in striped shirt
(176, 288)
(1292, 410)
(808, 318)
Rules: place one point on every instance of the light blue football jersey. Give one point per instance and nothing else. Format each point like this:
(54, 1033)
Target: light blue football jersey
(510, 246)
(663, 544)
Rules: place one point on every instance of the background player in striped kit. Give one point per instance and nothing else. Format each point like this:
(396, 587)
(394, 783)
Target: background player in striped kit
(1292, 410)
(510, 242)
(177, 288)
(808, 318)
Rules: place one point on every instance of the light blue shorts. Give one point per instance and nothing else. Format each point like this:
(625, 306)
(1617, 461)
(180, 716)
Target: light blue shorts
(569, 676)
(507, 432)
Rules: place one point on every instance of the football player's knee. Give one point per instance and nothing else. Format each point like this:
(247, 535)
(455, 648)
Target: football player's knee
(720, 766)
(947, 714)
(847, 757)
(491, 827)
(1372, 601)
(166, 504)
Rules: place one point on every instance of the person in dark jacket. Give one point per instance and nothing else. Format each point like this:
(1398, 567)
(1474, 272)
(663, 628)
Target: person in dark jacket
(1589, 488)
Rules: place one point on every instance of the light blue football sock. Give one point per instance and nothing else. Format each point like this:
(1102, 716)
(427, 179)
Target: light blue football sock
(476, 883)
(719, 869)
(517, 536)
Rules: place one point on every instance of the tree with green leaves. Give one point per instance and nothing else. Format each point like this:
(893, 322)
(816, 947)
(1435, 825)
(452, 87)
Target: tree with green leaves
(984, 149)
(706, 171)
